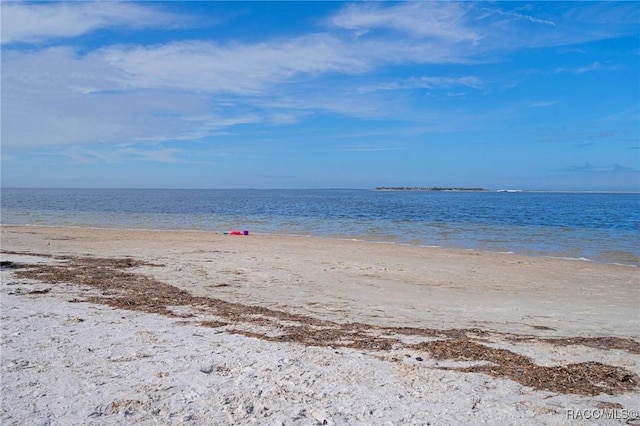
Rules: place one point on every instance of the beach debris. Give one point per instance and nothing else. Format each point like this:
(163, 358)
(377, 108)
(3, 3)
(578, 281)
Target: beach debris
(607, 405)
(6, 264)
(123, 289)
(628, 345)
(213, 324)
(21, 291)
(42, 291)
(585, 378)
(235, 232)
(126, 406)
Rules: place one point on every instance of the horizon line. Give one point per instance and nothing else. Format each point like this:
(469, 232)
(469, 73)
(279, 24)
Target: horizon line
(518, 190)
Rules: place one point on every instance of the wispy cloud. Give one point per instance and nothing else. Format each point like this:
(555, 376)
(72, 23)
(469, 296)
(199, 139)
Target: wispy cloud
(586, 167)
(426, 82)
(618, 13)
(54, 97)
(189, 90)
(34, 23)
(526, 18)
(180, 91)
(236, 68)
(444, 21)
(573, 23)
(122, 154)
(590, 168)
(595, 66)
(542, 104)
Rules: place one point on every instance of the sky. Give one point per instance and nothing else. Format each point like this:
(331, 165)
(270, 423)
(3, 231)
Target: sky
(322, 94)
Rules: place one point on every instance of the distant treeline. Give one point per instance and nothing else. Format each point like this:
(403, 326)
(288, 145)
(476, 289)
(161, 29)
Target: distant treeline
(424, 188)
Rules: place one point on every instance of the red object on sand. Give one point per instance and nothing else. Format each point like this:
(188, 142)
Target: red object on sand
(236, 233)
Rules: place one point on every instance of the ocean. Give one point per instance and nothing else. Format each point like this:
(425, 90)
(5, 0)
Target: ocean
(600, 227)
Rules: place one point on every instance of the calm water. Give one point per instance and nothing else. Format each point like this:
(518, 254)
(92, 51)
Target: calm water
(599, 227)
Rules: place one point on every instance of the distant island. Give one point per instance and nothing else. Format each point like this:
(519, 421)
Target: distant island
(424, 188)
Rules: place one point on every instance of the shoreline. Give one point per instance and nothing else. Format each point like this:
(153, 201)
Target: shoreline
(326, 237)
(417, 271)
(174, 326)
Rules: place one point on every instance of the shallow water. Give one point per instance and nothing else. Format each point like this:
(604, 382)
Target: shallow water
(594, 226)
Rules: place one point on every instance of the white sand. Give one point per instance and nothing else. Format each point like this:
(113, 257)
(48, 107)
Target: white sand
(81, 363)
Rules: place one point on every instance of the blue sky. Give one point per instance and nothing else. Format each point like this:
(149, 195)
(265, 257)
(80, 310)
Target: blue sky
(539, 95)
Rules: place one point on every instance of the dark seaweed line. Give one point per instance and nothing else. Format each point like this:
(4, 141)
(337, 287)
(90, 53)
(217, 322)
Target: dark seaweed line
(131, 291)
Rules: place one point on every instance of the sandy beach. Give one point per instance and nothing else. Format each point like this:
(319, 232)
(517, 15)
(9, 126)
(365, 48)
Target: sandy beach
(105, 326)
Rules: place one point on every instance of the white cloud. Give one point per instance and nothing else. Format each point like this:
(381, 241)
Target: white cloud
(426, 83)
(445, 21)
(573, 23)
(187, 90)
(123, 154)
(542, 104)
(179, 91)
(595, 66)
(252, 69)
(234, 68)
(466, 32)
(23, 22)
(590, 168)
(527, 18)
(58, 70)
(54, 97)
(621, 13)
(144, 117)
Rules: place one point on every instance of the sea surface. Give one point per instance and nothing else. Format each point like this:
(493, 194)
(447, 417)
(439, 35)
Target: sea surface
(600, 227)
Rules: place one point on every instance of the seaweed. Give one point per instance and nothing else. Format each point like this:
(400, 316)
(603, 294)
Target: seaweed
(117, 286)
